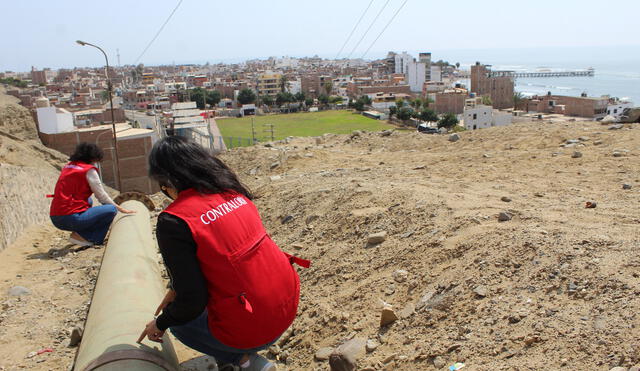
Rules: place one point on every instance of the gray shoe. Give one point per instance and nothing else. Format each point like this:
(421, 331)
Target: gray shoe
(259, 363)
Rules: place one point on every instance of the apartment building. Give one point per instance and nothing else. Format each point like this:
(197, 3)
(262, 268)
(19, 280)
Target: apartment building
(499, 88)
(269, 83)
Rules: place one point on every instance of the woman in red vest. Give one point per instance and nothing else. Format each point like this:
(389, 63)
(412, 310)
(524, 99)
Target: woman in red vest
(71, 208)
(233, 291)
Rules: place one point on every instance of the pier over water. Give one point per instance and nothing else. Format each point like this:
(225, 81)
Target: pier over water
(581, 73)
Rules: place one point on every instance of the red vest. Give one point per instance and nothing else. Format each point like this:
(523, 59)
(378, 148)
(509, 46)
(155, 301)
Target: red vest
(72, 190)
(253, 288)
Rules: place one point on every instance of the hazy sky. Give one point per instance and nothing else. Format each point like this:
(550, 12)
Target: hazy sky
(43, 33)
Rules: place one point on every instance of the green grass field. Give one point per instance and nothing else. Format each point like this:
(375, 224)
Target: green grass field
(305, 124)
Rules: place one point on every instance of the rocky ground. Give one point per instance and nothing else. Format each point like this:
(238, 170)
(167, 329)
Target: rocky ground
(408, 225)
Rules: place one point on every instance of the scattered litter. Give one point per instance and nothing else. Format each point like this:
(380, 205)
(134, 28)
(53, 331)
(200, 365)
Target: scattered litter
(456, 366)
(591, 205)
(41, 351)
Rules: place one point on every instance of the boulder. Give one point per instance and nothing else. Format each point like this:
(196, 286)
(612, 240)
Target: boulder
(345, 357)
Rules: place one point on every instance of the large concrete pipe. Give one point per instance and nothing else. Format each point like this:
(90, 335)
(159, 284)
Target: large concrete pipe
(128, 291)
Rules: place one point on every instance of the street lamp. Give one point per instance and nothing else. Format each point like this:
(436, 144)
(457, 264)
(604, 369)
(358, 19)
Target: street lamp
(113, 120)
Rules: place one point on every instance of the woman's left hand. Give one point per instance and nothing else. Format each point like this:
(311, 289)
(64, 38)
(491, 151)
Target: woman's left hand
(152, 332)
(124, 211)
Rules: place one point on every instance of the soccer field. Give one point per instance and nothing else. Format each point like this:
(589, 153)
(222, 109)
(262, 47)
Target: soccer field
(304, 124)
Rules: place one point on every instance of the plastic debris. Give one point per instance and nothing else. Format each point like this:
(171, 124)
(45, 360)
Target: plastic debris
(456, 366)
(45, 350)
(591, 205)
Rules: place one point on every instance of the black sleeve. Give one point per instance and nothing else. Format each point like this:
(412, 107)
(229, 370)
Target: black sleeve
(178, 250)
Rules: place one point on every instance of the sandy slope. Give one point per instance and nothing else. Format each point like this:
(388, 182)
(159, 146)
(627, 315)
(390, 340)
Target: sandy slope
(559, 282)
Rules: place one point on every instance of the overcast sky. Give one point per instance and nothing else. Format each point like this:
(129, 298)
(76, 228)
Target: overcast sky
(42, 33)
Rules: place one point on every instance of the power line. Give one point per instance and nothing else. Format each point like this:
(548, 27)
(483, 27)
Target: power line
(367, 31)
(354, 29)
(384, 29)
(158, 33)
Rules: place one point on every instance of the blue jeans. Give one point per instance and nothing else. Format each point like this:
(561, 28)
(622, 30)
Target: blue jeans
(196, 335)
(92, 224)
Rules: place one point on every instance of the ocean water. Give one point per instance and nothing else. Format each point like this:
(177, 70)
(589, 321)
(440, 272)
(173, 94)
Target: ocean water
(617, 68)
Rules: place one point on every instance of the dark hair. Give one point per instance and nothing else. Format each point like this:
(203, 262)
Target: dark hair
(179, 163)
(87, 153)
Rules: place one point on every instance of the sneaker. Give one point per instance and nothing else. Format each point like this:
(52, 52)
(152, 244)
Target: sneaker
(258, 363)
(80, 243)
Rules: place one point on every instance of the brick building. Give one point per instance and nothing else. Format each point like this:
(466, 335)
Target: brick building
(584, 106)
(499, 88)
(134, 146)
(38, 77)
(451, 101)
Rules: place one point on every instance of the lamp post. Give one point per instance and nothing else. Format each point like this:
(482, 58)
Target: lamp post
(113, 120)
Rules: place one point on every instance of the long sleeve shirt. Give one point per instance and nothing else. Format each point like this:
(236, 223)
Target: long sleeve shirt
(178, 250)
(96, 187)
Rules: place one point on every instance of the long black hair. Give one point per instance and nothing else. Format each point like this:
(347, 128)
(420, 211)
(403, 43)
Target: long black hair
(182, 164)
(87, 153)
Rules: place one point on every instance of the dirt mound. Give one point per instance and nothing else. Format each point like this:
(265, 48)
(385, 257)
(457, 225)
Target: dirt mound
(555, 285)
(15, 119)
(28, 172)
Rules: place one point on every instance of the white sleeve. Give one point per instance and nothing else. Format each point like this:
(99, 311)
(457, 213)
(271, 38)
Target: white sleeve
(96, 187)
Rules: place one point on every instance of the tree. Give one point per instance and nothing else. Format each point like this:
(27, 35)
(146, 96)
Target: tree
(359, 105)
(448, 121)
(404, 113)
(308, 102)
(336, 99)
(328, 87)
(246, 96)
(393, 110)
(284, 83)
(457, 64)
(324, 99)
(300, 97)
(399, 103)
(486, 100)
(518, 99)
(198, 95)
(213, 97)
(428, 115)
(366, 100)
(284, 97)
(105, 95)
(416, 103)
(267, 100)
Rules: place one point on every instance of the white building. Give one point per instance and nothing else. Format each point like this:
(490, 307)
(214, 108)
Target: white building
(294, 86)
(616, 109)
(402, 62)
(480, 116)
(52, 120)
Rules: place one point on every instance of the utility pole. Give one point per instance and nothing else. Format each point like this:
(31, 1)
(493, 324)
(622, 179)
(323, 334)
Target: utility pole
(270, 130)
(253, 130)
(113, 120)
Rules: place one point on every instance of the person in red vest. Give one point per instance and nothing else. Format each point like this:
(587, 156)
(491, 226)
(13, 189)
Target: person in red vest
(71, 208)
(233, 291)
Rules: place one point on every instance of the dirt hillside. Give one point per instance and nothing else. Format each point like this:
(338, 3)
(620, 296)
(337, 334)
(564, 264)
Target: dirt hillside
(554, 287)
